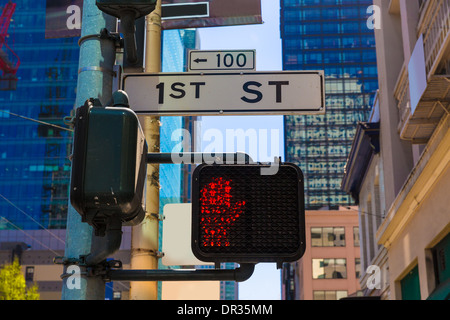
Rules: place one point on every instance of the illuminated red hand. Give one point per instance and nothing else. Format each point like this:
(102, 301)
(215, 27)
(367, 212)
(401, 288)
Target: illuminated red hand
(218, 212)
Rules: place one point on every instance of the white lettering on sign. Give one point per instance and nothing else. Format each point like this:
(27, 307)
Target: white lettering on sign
(226, 93)
(74, 20)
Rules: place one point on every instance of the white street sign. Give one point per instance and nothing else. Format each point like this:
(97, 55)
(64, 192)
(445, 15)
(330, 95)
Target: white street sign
(176, 242)
(232, 60)
(226, 93)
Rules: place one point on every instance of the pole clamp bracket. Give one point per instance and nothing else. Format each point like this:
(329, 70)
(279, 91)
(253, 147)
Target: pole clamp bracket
(104, 34)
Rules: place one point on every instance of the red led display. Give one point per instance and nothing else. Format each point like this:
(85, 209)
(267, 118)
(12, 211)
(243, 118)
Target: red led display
(218, 213)
(242, 216)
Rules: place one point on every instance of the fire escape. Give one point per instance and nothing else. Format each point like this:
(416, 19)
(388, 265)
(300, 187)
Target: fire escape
(9, 61)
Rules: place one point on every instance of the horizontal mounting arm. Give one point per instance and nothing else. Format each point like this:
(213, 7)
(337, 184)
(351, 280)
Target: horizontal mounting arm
(199, 157)
(243, 273)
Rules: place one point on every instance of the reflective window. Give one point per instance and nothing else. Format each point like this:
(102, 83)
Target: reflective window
(356, 236)
(329, 268)
(357, 268)
(329, 295)
(328, 237)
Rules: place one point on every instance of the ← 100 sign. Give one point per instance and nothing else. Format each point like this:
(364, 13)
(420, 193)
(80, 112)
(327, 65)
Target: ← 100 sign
(224, 60)
(226, 93)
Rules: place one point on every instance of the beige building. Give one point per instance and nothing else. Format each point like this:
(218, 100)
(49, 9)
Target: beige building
(399, 166)
(37, 249)
(330, 267)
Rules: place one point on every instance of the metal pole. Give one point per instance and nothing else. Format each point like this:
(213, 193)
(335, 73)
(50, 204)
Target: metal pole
(144, 241)
(243, 273)
(97, 57)
(199, 157)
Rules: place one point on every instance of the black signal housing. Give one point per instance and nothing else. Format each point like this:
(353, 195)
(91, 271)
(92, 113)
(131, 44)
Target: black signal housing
(240, 215)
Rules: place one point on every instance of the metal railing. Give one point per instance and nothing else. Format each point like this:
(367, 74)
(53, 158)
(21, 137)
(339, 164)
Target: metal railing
(434, 24)
(401, 94)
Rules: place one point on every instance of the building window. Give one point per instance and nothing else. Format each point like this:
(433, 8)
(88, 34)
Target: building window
(441, 258)
(329, 268)
(117, 295)
(329, 295)
(357, 268)
(356, 236)
(29, 274)
(328, 237)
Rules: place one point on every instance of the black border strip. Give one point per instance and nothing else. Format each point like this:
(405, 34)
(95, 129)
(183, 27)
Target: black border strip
(185, 10)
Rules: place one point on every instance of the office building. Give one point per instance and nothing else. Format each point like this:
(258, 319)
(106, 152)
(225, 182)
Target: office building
(330, 267)
(333, 36)
(35, 143)
(34, 166)
(399, 166)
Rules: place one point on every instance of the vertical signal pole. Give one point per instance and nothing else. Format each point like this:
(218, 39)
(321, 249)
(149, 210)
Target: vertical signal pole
(144, 242)
(97, 57)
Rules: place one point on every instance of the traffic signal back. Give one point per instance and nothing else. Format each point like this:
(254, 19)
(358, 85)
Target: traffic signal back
(108, 165)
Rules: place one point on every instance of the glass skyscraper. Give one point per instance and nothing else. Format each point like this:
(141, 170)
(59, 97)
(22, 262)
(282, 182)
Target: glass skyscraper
(35, 142)
(175, 45)
(34, 155)
(34, 164)
(333, 36)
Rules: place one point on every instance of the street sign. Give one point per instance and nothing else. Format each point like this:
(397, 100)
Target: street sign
(63, 17)
(185, 10)
(232, 60)
(182, 14)
(226, 93)
(176, 242)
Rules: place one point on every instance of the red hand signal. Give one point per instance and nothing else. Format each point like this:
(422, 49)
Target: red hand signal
(218, 212)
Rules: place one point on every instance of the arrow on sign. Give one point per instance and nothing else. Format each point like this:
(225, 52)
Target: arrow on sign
(198, 60)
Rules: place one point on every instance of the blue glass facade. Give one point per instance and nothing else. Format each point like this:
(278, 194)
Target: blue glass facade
(34, 165)
(175, 45)
(333, 36)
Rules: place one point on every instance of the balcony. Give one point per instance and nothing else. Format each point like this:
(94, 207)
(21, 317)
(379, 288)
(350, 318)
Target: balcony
(423, 85)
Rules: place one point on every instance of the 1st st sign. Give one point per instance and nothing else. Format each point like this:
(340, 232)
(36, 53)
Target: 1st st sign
(226, 93)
